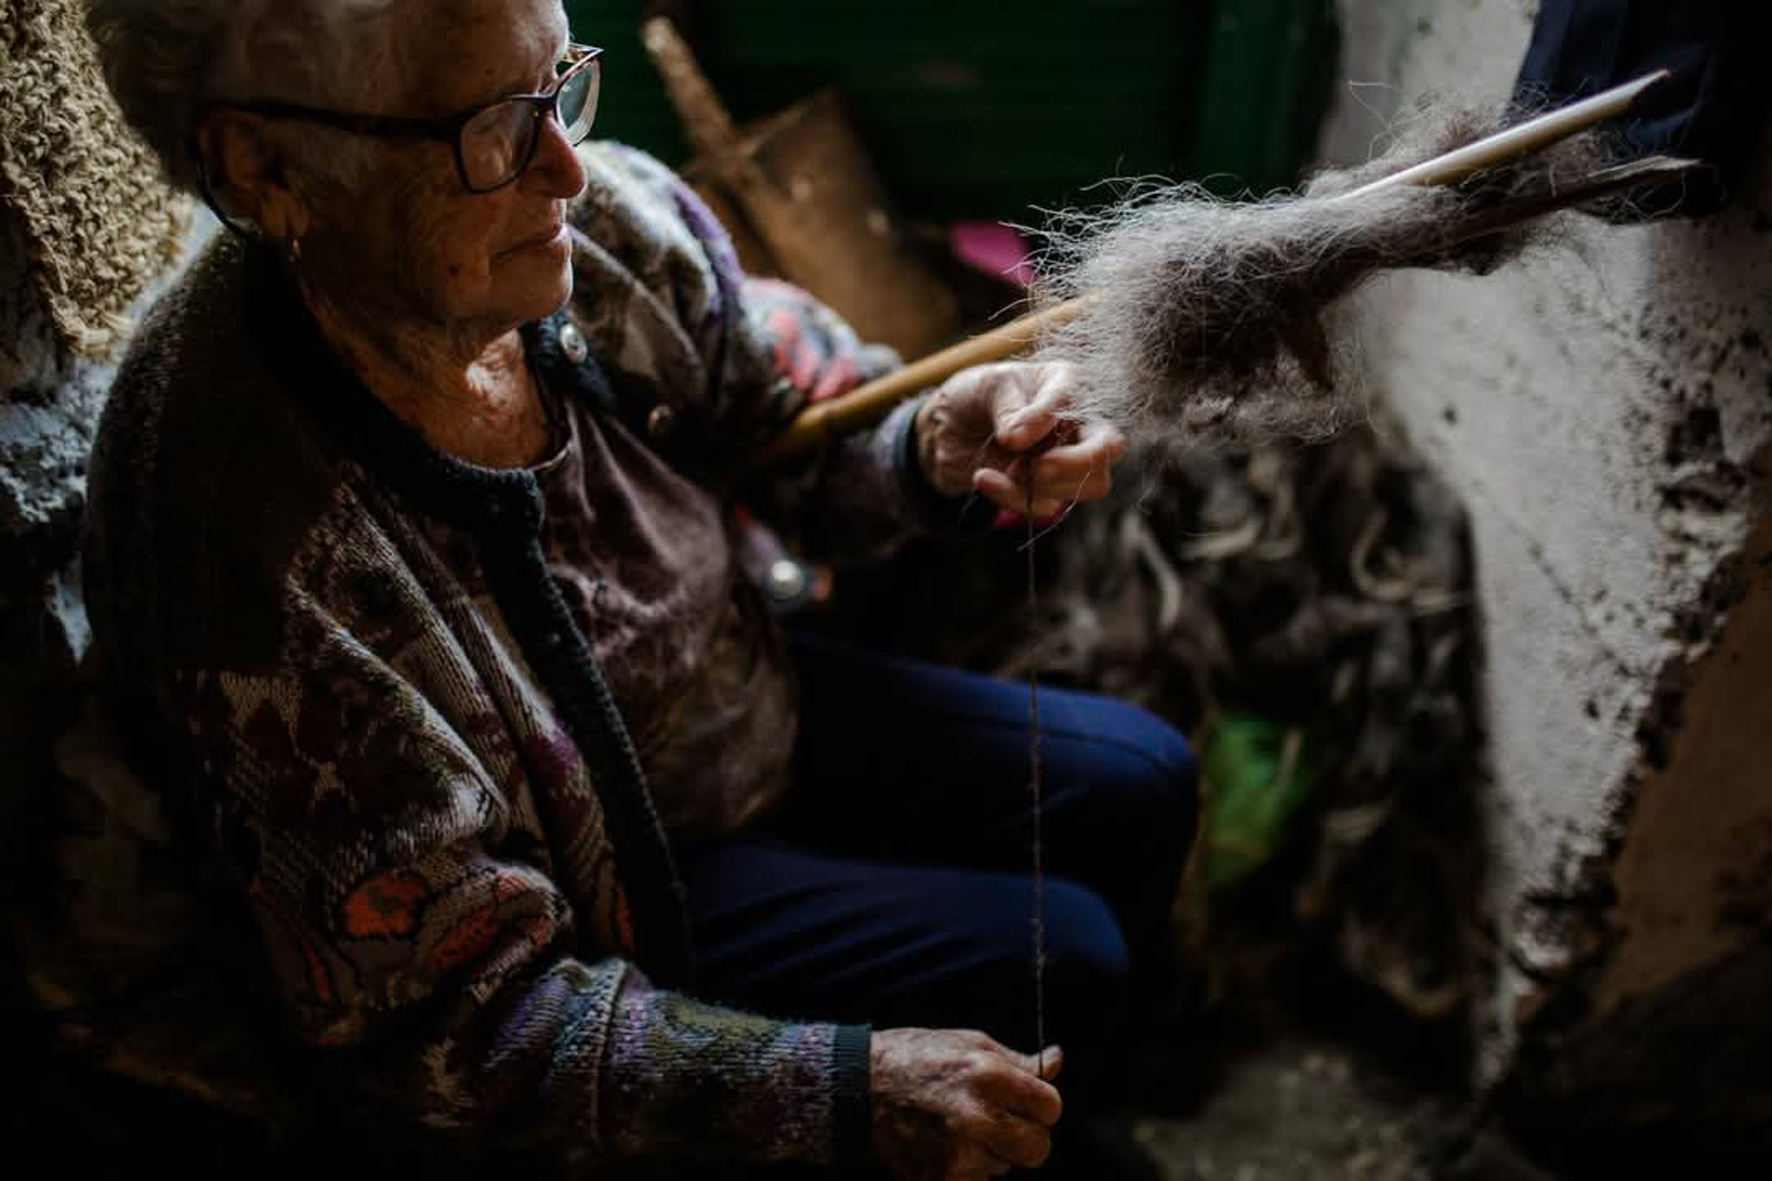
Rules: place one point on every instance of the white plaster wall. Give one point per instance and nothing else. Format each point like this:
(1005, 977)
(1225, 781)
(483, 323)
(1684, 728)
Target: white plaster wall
(1548, 394)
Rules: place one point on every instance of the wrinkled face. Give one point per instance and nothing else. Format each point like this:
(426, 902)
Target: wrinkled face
(431, 251)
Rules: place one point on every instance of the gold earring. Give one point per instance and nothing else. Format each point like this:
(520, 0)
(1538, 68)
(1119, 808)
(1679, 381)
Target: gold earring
(294, 247)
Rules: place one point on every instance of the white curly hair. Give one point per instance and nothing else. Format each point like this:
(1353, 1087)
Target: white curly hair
(164, 60)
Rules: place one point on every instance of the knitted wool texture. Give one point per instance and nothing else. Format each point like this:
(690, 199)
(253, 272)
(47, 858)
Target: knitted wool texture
(88, 193)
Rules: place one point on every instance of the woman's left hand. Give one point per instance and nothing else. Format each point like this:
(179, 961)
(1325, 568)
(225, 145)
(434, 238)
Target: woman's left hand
(994, 428)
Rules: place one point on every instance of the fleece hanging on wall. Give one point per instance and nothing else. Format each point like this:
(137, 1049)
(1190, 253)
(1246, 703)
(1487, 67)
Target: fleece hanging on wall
(98, 220)
(1714, 107)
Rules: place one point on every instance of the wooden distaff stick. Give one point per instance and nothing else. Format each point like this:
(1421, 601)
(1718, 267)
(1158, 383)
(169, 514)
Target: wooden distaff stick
(869, 403)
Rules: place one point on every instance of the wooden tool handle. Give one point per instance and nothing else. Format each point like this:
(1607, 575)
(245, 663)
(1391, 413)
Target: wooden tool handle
(718, 142)
(706, 123)
(873, 401)
(1519, 141)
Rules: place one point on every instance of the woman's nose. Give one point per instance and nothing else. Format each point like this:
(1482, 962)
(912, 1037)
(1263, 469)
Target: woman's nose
(556, 165)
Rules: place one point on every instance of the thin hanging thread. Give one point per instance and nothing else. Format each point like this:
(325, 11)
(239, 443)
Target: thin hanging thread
(1034, 790)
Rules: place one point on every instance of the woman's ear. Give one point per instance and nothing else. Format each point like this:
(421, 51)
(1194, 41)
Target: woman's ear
(249, 175)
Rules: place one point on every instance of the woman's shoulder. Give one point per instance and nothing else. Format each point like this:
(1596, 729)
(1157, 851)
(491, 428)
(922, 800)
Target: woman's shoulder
(189, 327)
(630, 184)
(657, 280)
(644, 217)
(183, 366)
(203, 478)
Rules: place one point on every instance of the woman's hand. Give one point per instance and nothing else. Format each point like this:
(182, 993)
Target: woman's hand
(992, 428)
(953, 1105)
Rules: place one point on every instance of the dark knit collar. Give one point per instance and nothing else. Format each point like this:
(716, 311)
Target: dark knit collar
(364, 427)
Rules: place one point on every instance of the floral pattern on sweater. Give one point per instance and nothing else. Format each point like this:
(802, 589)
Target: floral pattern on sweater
(354, 683)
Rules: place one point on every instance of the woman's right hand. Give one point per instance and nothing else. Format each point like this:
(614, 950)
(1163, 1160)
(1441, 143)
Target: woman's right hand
(953, 1105)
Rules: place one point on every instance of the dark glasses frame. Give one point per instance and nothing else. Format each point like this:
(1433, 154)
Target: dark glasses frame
(448, 129)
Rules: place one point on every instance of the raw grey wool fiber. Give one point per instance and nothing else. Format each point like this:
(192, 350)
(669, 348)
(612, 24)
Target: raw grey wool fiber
(1218, 320)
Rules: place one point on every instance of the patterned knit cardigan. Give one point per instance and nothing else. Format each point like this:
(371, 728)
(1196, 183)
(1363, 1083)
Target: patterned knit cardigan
(431, 810)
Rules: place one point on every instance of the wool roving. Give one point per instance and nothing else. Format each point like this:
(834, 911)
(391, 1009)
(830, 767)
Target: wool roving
(1217, 319)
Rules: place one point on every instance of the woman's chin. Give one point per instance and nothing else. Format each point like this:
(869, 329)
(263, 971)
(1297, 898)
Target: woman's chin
(536, 285)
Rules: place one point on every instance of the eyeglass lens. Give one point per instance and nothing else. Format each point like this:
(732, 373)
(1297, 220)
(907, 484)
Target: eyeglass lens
(497, 143)
(578, 101)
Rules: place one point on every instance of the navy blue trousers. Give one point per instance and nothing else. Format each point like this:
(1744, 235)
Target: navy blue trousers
(894, 886)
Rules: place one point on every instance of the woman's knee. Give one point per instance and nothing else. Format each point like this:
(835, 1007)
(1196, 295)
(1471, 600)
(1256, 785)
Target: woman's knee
(1087, 978)
(1086, 955)
(1145, 771)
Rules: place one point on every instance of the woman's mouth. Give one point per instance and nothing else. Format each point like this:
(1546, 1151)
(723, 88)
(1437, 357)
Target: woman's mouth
(542, 241)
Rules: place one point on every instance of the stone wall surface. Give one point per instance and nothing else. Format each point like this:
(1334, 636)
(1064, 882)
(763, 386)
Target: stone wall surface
(1605, 411)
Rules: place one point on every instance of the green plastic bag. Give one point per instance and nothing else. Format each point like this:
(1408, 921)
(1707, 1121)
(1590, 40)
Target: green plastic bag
(1258, 774)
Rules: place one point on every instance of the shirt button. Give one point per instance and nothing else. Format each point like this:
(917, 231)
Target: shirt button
(572, 344)
(661, 422)
(787, 580)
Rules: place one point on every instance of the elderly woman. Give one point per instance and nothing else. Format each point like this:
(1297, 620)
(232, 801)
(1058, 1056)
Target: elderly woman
(414, 565)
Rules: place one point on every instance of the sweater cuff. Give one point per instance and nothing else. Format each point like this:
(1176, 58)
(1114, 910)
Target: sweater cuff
(853, 1108)
(960, 517)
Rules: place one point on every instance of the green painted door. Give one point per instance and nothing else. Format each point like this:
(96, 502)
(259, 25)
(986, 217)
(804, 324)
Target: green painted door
(980, 108)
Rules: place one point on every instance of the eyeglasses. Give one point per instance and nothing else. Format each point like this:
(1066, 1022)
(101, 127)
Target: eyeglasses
(494, 142)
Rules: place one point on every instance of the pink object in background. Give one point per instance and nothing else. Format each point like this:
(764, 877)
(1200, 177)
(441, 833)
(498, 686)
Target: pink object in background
(994, 248)
(999, 250)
